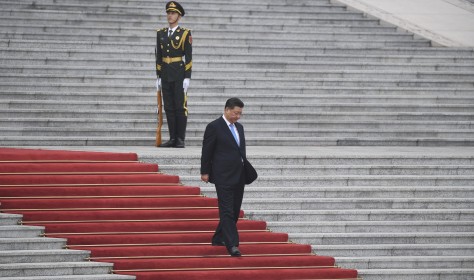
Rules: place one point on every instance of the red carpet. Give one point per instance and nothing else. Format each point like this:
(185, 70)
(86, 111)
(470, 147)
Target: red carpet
(145, 222)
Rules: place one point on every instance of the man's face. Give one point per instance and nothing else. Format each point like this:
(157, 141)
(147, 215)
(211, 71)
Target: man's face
(233, 115)
(172, 17)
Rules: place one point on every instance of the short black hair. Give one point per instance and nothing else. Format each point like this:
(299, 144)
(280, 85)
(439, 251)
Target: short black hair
(234, 102)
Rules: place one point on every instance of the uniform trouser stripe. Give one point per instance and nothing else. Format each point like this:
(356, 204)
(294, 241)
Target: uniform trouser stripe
(185, 103)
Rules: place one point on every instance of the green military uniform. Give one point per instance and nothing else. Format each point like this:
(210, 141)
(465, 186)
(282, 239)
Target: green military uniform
(173, 69)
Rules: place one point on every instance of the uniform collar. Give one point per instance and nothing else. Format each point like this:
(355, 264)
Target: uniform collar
(174, 29)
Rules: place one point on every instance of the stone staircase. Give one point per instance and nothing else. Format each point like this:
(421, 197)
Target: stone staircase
(26, 255)
(81, 73)
(391, 213)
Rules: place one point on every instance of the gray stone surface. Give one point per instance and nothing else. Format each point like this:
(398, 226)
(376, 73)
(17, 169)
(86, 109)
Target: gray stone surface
(76, 73)
(447, 22)
(25, 254)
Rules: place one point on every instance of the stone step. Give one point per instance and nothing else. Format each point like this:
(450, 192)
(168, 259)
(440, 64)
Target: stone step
(371, 226)
(16, 81)
(140, 20)
(208, 15)
(323, 116)
(54, 269)
(278, 91)
(418, 274)
(383, 238)
(354, 180)
(38, 256)
(196, 126)
(270, 141)
(219, 56)
(280, 37)
(358, 112)
(146, 34)
(192, 22)
(404, 262)
(253, 108)
(196, 134)
(111, 66)
(235, 71)
(336, 45)
(325, 94)
(333, 70)
(20, 231)
(32, 243)
(270, 78)
(10, 219)
(353, 192)
(347, 49)
(317, 170)
(93, 83)
(105, 24)
(142, 11)
(228, 5)
(342, 156)
(215, 52)
(361, 215)
(394, 250)
(341, 41)
(349, 74)
(201, 94)
(458, 97)
(283, 204)
(191, 8)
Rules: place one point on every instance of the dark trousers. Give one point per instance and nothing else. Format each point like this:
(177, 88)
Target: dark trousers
(175, 105)
(229, 200)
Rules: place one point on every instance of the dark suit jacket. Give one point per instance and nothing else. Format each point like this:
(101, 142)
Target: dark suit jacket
(220, 156)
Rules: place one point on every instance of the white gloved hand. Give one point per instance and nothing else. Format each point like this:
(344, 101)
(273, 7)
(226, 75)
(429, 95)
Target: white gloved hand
(186, 84)
(158, 84)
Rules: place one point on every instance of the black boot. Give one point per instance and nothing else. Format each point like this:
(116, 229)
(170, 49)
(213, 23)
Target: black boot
(170, 118)
(181, 122)
(179, 143)
(169, 143)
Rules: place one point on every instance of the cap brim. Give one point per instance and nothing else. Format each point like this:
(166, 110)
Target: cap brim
(174, 10)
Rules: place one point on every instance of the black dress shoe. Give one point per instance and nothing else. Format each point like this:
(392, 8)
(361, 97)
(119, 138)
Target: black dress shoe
(169, 143)
(220, 243)
(234, 251)
(179, 143)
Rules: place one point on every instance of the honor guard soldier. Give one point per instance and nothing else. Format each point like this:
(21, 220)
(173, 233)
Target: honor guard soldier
(173, 71)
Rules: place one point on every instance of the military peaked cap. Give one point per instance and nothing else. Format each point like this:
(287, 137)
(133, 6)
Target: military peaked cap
(174, 6)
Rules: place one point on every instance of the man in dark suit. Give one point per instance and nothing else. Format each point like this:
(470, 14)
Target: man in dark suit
(223, 149)
(173, 43)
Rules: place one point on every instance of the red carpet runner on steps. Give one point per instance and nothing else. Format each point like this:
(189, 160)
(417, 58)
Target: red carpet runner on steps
(145, 222)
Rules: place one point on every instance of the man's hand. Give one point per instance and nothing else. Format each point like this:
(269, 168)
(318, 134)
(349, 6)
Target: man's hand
(186, 84)
(158, 84)
(205, 178)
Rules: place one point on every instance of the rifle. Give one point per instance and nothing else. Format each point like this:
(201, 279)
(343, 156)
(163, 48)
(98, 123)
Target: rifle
(160, 117)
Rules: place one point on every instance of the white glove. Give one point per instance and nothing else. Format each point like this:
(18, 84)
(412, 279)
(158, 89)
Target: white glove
(158, 84)
(186, 84)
